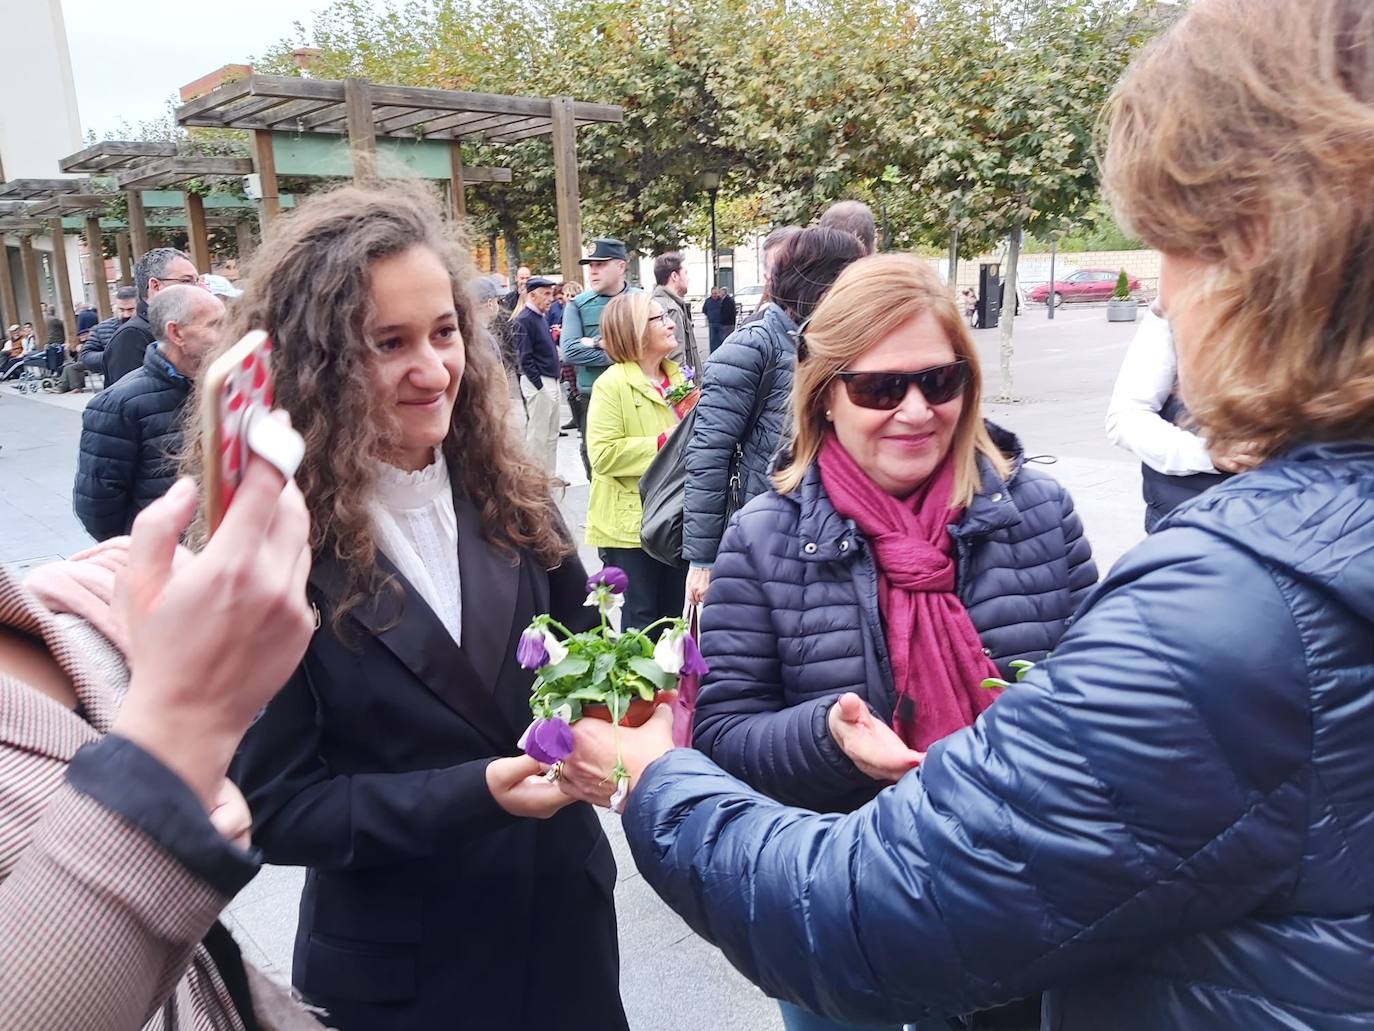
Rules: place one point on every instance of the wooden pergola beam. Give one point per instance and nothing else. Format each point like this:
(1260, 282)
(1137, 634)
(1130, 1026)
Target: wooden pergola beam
(63, 284)
(395, 109)
(112, 154)
(197, 233)
(265, 165)
(126, 258)
(566, 196)
(138, 223)
(42, 189)
(172, 172)
(8, 299)
(95, 249)
(362, 134)
(30, 267)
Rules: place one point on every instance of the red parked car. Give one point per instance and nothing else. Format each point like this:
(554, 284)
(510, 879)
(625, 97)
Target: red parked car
(1088, 284)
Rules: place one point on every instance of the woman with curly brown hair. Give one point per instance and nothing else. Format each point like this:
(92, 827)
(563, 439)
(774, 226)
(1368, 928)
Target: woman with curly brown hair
(441, 864)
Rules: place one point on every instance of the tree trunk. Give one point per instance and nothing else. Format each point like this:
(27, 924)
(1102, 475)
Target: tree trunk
(1008, 321)
(632, 269)
(511, 233)
(954, 258)
(491, 253)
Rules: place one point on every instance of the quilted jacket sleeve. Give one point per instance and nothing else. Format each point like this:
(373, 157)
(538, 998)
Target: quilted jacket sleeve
(1082, 568)
(1146, 782)
(732, 381)
(742, 720)
(103, 495)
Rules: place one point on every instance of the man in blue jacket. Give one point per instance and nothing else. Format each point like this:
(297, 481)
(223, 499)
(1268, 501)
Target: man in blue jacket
(131, 432)
(581, 335)
(537, 355)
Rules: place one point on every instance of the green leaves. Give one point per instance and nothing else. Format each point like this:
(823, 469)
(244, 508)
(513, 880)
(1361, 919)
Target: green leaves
(922, 107)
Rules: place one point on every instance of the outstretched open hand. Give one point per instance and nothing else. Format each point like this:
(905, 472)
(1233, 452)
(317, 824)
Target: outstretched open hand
(873, 746)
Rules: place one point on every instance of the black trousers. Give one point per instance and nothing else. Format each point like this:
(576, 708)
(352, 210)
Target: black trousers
(578, 404)
(656, 591)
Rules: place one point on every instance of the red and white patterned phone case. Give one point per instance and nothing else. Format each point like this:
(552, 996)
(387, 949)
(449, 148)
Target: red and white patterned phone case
(241, 384)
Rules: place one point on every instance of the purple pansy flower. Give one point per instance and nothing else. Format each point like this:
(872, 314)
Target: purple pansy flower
(549, 741)
(692, 662)
(531, 652)
(612, 577)
(689, 373)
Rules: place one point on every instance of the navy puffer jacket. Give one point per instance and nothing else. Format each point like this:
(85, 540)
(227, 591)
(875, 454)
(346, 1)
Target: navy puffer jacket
(734, 376)
(792, 622)
(1168, 825)
(130, 436)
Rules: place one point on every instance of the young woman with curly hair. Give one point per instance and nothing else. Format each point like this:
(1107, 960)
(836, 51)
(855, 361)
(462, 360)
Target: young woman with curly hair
(442, 865)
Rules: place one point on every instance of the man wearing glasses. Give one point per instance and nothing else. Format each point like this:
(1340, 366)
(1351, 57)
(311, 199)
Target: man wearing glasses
(153, 272)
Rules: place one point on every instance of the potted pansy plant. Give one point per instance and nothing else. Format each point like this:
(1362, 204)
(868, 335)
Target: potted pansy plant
(602, 673)
(685, 395)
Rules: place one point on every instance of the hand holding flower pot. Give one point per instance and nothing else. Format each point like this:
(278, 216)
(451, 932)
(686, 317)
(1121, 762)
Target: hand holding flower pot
(617, 678)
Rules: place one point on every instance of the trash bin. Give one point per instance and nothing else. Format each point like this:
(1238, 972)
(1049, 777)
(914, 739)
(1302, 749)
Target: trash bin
(989, 295)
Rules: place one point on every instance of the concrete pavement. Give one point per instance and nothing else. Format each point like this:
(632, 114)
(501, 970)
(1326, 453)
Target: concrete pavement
(671, 980)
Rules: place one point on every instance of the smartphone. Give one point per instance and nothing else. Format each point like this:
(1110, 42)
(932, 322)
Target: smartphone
(237, 389)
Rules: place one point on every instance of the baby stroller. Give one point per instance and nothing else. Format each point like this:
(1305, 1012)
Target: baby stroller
(35, 372)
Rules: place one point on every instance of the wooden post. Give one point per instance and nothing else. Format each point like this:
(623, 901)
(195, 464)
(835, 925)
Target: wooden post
(243, 236)
(565, 187)
(362, 132)
(265, 165)
(30, 265)
(196, 233)
(61, 278)
(95, 244)
(138, 224)
(458, 204)
(7, 297)
(126, 261)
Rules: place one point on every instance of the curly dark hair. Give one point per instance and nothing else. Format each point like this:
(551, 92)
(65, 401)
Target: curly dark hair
(308, 287)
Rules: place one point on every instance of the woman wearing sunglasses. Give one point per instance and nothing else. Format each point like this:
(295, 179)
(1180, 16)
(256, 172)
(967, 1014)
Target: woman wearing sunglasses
(628, 420)
(905, 555)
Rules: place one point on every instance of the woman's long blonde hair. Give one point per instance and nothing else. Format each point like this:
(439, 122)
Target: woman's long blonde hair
(1244, 137)
(870, 299)
(309, 287)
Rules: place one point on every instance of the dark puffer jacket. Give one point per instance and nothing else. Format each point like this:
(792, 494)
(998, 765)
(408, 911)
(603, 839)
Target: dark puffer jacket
(130, 435)
(1169, 824)
(792, 622)
(733, 379)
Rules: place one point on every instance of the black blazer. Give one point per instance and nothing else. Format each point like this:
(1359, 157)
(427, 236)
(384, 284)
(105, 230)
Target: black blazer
(426, 905)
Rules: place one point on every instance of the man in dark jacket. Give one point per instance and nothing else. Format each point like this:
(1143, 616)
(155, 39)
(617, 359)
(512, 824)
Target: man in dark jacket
(537, 356)
(94, 346)
(131, 432)
(710, 310)
(154, 272)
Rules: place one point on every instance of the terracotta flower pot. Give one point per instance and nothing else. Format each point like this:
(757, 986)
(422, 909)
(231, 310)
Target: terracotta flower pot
(636, 716)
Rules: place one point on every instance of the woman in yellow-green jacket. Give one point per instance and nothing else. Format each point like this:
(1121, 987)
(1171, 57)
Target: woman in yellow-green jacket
(628, 421)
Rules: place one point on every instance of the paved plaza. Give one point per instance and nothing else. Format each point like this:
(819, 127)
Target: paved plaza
(671, 980)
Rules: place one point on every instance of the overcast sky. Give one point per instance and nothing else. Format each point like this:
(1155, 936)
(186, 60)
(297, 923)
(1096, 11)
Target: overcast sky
(129, 56)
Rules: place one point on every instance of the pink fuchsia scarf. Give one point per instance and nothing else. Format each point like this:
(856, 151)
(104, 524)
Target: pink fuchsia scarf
(938, 662)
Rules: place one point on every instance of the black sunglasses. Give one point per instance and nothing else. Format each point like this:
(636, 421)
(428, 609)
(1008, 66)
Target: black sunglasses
(884, 391)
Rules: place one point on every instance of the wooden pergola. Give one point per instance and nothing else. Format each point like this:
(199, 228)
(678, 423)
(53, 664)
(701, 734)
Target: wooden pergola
(51, 199)
(274, 108)
(174, 173)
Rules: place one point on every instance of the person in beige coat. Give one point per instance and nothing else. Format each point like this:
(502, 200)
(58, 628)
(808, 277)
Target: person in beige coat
(120, 839)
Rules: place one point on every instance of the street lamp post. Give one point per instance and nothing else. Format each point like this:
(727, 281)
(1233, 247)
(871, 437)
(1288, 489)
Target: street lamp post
(711, 181)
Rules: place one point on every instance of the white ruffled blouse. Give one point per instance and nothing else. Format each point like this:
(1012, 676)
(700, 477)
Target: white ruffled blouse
(416, 528)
